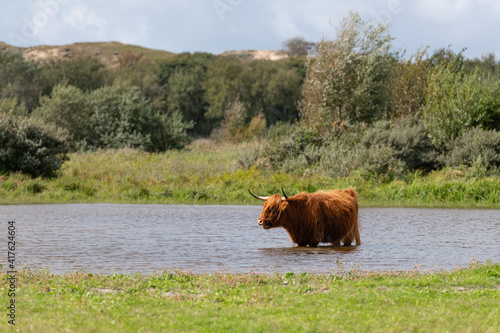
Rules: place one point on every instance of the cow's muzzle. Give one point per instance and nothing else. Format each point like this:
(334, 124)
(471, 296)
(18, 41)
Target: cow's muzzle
(264, 224)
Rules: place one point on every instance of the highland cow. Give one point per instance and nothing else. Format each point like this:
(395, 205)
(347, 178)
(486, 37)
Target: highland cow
(313, 218)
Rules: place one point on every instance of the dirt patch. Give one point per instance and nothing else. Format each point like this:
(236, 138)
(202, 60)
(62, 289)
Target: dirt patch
(258, 54)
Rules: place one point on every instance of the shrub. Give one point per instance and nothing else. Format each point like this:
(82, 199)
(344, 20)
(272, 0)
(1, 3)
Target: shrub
(10, 106)
(379, 163)
(115, 116)
(303, 151)
(68, 107)
(167, 131)
(455, 101)
(345, 155)
(257, 127)
(234, 124)
(475, 145)
(408, 140)
(31, 146)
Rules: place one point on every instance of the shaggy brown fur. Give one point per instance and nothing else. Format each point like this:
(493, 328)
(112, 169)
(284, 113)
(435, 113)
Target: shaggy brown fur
(313, 218)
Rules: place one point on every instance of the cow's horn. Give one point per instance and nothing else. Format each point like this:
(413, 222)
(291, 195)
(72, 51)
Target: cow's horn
(286, 197)
(257, 197)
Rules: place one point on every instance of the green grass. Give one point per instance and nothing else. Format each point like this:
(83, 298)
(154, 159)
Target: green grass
(463, 300)
(213, 174)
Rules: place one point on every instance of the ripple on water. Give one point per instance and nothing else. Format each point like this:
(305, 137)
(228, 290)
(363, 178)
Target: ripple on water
(130, 238)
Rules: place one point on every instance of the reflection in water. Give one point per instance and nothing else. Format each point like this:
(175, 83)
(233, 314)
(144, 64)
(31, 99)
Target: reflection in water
(146, 238)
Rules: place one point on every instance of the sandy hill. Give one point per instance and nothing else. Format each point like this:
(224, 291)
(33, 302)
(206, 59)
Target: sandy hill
(112, 53)
(257, 54)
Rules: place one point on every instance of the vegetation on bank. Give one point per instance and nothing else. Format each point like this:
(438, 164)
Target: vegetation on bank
(208, 173)
(353, 112)
(461, 300)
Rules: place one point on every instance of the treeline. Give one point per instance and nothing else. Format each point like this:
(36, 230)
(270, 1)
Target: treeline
(154, 106)
(369, 111)
(343, 105)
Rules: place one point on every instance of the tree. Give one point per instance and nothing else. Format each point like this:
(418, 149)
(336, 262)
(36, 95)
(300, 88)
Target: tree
(298, 47)
(408, 86)
(456, 100)
(183, 76)
(348, 78)
(85, 73)
(114, 116)
(19, 79)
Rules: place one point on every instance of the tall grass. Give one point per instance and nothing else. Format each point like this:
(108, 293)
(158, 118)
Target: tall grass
(207, 173)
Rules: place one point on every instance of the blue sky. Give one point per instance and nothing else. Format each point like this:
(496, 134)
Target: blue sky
(222, 25)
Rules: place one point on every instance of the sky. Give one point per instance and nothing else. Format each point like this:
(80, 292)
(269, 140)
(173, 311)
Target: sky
(217, 26)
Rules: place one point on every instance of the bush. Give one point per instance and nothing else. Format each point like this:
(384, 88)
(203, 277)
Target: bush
(475, 145)
(115, 116)
(346, 154)
(408, 140)
(31, 146)
(68, 107)
(10, 106)
(303, 151)
(456, 101)
(168, 131)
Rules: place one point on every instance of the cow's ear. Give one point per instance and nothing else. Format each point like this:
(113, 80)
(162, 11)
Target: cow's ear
(284, 205)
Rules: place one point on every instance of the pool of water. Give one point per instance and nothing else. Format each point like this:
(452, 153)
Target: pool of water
(108, 238)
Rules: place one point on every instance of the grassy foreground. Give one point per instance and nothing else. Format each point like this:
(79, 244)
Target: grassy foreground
(463, 300)
(214, 174)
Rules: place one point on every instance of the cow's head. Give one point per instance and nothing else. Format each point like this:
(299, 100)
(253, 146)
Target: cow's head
(274, 207)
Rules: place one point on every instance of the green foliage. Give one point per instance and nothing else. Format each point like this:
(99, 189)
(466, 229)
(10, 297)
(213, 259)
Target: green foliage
(167, 131)
(10, 106)
(475, 146)
(113, 117)
(235, 127)
(71, 108)
(298, 47)
(456, 100)
(19, 79)
(31, 147)
(408, 141)
(268, 87)
(348, 79)
(85, 73)
(222, 85)
(119, 118)
(408, 86)
(182, 77)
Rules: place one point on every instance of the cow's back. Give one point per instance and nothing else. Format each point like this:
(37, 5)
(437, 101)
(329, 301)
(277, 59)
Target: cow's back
(339, 214)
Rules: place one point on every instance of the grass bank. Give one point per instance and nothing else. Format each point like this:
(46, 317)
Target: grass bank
(463, 300)
(214, 174)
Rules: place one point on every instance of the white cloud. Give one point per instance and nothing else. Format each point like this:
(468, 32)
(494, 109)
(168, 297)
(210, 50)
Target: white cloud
(447, 11)
(87, 22)
(285, 23)
(193, 25)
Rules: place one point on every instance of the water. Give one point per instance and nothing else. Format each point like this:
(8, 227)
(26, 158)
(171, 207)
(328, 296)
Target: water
(104, 238)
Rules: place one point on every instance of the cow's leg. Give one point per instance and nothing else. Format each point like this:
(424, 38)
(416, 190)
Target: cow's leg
(356, 234)
(302, 243)
(348, 239)
(313, 244)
